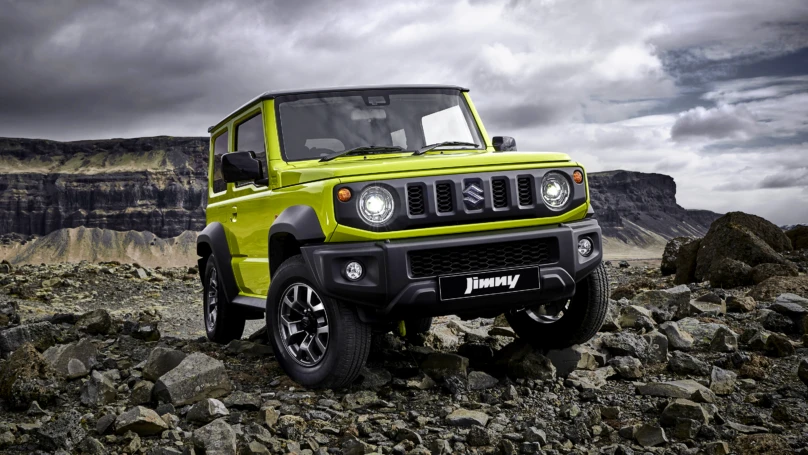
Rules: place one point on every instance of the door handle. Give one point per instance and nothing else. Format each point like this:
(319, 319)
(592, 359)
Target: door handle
(234, 215)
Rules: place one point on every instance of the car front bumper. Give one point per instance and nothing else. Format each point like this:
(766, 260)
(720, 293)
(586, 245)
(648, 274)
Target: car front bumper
(391, 290)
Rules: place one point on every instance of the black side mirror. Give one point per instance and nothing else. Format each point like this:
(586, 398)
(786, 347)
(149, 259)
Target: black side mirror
(504, 143)
(241, 167)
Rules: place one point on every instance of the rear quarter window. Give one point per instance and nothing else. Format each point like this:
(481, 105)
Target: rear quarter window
(219, 149)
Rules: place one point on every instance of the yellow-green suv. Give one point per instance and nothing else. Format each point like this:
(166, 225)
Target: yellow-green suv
(336, 212)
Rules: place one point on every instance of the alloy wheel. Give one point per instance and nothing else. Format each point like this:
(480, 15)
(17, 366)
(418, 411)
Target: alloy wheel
(303, 324)
(213, 301)
(549, 313)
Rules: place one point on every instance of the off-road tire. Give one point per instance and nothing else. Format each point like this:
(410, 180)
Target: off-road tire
(229, 322)
(580, 322)
(349, 338)
(417, 326)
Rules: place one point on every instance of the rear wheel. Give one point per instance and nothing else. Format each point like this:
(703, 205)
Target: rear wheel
(223, 322)
(417, 326)
(318, 341)
(565, 323)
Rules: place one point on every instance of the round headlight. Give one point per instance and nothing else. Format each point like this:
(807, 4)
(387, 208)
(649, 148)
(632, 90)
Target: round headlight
(376, 205)
(555, 190)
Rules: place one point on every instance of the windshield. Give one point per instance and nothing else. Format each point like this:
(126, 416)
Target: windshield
(313, 126)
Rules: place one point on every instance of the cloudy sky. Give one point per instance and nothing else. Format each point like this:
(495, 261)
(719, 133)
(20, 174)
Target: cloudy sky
(714, 93)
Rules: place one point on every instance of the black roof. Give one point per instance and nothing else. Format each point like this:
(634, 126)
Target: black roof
(275, 93)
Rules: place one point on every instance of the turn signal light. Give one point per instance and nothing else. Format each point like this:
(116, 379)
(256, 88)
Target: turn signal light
(344, 194)
(578, 177)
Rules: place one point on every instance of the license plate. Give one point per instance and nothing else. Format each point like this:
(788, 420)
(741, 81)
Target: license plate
(491, 282)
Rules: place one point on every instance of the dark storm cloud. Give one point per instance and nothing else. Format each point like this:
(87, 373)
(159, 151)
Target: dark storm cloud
(717, 123)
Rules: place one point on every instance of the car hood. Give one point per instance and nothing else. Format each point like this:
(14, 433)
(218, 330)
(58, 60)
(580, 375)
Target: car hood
(310, 171)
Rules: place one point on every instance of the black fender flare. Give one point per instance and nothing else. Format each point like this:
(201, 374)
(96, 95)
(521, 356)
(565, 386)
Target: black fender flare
(298, 221)
(213, 240)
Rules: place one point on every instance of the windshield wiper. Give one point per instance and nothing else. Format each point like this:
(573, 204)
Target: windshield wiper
(365, 149)
(429, 147)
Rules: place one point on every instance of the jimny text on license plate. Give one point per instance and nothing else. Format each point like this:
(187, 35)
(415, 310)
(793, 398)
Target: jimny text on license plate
(487, 283)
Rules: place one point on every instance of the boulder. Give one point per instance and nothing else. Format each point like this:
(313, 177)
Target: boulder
(586, 380)
(215, 438)
(39, 334)
(291, 427)
(141, 393)
(197, 377)
(521, 361)
(625, 343)
(9, 313)
(670, 300)
(802, 371)
(637, 317)
(798, 236)
(724, 340)
(627, 367)
(776, 322)
(686, 262)
(243, 400)
(63, 433)
(27, 377)
(790, 305)
(685, 388)
(702, 332)
(769, 289)
(657, 347)
(575, 357)
(778, 345)
(161, 360)
(743, 304)
(467, 418)
(478, 380)
(60, 356)
(728, 273)
(99, 390)
(722, 382)
(207, 410)
(682, 408)
(671, 254)
(441, 365)
(763, 272)
(140, 420)
(683, 363)
(96, 322)
(648, 435)
(677, 338)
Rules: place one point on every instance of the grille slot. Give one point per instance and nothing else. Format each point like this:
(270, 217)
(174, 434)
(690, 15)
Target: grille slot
(415, 200)
(443, 193)
(525, 186)
(499, 190)
(478, 258)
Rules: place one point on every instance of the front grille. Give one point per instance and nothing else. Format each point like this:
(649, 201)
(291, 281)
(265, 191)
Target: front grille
(415, 200)
(448, 261)
(443, 192)
(499, 190)
(525, 190)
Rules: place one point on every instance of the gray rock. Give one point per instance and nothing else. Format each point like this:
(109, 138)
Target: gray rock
(637, 317)
(39, 334)
(242, 400)
(59, 356)
(207, 410)
(442, 365)
(684, 388)
(467, 418)
(677, 338)
(291, 426)
(161, 360)
(747, 429)
(669, 299)
(140, 420)
(478, 436)
(650, 435)
(790, 305)
(533, 434)
(573, 358)
(27, 377)
(105, 424)
(62, 433)
(669, 256)
(724, 340)
(627, 367)
(248, 348)
(627, 344)
(76, 369)
(743, 304)
(594, 380)
(775, 321)
(375, 378)
(802, 371)
(91, 446)
(215, 438)
(778, 345)
(657, 347)
(479, 380)
(98, 390)
(96, 322)
(686, 428)
(702, 332)
(681, 408)
(353, 446)
(141, 393)
(722, 382)
(197, 377)
(523, 362)
(683, 363)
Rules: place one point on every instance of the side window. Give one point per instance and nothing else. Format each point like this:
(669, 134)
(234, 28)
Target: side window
(250, 137)
(219, 149)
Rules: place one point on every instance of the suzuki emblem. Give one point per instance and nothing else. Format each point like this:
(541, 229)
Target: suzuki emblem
(473, 195)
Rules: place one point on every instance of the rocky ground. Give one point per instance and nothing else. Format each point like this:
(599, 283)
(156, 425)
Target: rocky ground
(107, 358)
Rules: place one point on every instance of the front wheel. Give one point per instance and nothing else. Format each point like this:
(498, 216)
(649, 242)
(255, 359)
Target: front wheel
(223, 322)
(562, 324)
(319, 342)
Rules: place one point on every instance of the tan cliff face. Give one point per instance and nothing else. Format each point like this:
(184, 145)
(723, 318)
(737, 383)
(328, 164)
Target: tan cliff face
(155, 184)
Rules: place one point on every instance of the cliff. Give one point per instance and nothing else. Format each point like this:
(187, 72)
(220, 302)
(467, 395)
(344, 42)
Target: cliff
(155, 184)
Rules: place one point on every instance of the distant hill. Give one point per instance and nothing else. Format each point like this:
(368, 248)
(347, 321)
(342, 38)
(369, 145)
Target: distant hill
(158, 185)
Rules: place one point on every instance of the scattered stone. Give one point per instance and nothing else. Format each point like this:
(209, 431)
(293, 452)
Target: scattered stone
(140, 420)
(98, 390)
(248, 348)
(657, 347)
(467, 418)
(778, 345)
(724, 340)
(790, 305)
(523, 362)
(743, 304)
(627, 367)
(650, 435)
(197, 377)
(686, 262)
(684, 388)
(243, 401)
(763, 272)
(291, 427)
(590, 380)
(761, 444)
(573, 358)
(775, 322)
(39, 334)
(444, 365)
(683, 363)
(728, 273)
(637, 317)
(76, 369)
(478, 436)
(682, 408)
(161, 360)
(215, 438)
(677, 338)
(206, 411)
(479, 380)
(671, 253)
(60, 356)
(686, 428)
(105, 424)
(96, 322)
(722, 382)
(717, 448)
(27, 377)
(802, 371)
(769, 289)
(62, 433)
(627, 344)
(141, 393)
